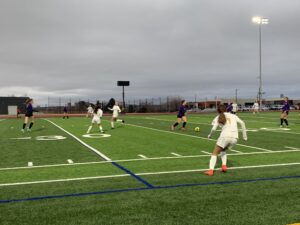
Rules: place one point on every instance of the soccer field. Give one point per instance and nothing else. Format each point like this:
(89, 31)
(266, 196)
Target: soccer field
(144, 173)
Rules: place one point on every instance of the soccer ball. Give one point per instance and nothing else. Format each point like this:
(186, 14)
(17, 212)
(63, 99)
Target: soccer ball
(197, 129)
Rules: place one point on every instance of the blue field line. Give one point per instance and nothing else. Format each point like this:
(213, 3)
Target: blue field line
(146, 189)
(133, 175)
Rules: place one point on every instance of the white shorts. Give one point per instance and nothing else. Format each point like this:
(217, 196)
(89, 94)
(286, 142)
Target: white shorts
(226, 142)
(96, 120)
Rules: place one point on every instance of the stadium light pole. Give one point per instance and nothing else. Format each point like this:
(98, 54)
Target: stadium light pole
(260, 21)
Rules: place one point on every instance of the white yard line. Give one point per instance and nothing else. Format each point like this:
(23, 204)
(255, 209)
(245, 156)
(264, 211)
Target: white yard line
(144, 174)
(80, 141)
(282, 132)
(142, 156)
(148, 159)
(63, 180)
(173, 153)
(230, 168)
(192, 136)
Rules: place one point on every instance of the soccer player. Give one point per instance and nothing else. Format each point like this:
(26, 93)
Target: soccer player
(66, 115)
(181, 116)
(28, 115)
(228, 137)
(285, 112)
(234, 108)
(97, 114)
(229, 107)
(255, 107)
(116, 110)
(90, 111)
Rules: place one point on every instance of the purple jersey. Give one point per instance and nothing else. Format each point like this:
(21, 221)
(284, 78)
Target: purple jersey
(182, 111)
(29, 109)
(286, 107)
(229, 108)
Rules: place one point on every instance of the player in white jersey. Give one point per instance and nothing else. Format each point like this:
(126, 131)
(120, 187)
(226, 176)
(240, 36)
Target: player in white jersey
(116, 110)
(90, 111)
(255, 107)
(97, 114)
(234, 108)
(228, 137)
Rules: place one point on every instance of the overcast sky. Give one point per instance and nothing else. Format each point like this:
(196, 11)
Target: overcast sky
(80, 48)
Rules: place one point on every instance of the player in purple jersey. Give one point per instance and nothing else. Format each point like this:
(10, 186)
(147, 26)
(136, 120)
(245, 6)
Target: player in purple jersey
(28, 115)
(66, 115)
(181, 116)
(284, 112)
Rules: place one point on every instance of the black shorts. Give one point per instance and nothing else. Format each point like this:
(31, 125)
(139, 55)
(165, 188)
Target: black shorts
(28, 115)
(180, 116)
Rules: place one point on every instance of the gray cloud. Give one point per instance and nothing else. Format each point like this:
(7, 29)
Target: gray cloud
(75, 48)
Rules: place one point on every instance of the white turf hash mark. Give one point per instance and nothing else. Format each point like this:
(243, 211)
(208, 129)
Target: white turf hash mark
(146, 174)
(207, 153)
(173, 153)
(142, 156)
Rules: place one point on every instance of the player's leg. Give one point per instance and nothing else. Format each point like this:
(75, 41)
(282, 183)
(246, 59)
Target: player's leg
(176, 124)
(213, 160)
(112, 123)
(184, 119)
(90, 127)
(31, 123)
(25, 123)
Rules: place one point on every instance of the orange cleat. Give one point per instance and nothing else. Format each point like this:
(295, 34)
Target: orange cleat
(224, 169)
(209, 172)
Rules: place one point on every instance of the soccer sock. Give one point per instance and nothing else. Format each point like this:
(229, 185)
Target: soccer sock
(175, 124)
(100, 128)
(212, 162)
(24, 125)
(224, 158)
(281, 121)
(183, 125)
(286, 122)
(112, 125)
(30, 125)
(90, 127)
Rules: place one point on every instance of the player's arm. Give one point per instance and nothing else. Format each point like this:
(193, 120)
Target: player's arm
(214, 128)
(243, 128)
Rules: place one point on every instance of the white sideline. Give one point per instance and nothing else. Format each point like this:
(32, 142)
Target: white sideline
(187, 135)
(144, 174)
(148, 159)
(80, 141)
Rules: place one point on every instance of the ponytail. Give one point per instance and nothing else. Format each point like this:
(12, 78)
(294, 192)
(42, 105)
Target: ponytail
(222, 118)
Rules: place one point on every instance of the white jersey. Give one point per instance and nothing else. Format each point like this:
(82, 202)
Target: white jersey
(234, 107)
(116, 110)
(255, 106)
(230, 129)
(90, 109)
(97, 116)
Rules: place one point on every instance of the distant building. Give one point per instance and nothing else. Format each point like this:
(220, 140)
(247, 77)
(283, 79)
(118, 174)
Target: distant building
(5, 102)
